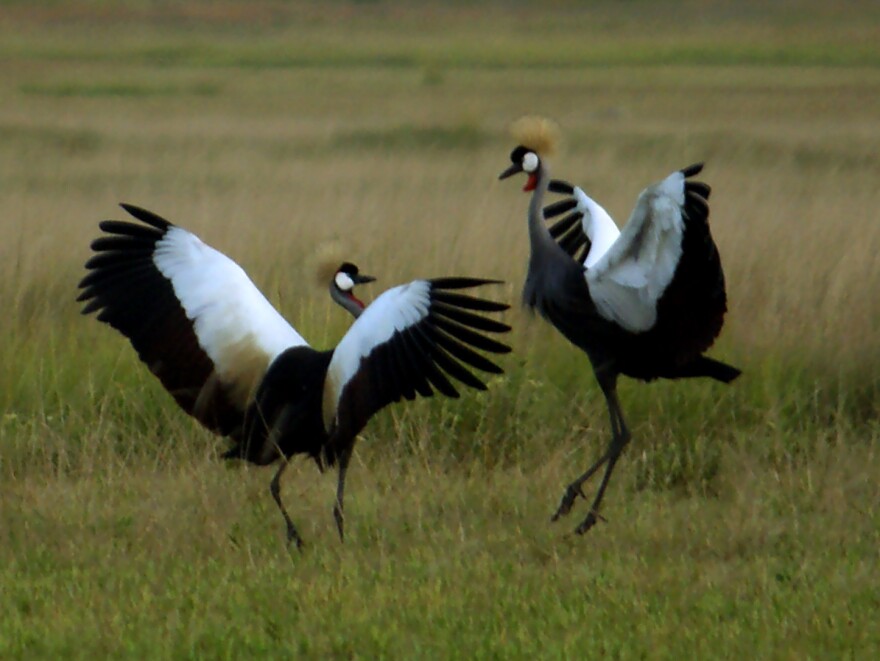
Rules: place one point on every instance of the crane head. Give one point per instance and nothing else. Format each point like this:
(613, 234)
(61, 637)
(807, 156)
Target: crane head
(538, 138)
(346, 277)
(524, 160)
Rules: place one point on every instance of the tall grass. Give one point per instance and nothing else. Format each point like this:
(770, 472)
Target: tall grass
(415, 195)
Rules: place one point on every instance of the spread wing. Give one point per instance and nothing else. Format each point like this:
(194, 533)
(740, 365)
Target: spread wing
(587, 232)
(413, 339)
(627, 282)
(191, 313)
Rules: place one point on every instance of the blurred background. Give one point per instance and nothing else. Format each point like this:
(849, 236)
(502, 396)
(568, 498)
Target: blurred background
(289, 132)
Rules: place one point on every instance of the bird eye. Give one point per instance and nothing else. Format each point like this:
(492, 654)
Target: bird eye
(344, 281)
(530, 162)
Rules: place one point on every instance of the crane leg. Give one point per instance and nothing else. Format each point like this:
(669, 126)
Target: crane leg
(619, 440)
(275, 488)
(338, 507)
(575, 489)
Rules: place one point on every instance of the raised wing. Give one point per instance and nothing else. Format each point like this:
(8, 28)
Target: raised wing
(413, 339)
(191, 313)
(588, 231)
(627, 282)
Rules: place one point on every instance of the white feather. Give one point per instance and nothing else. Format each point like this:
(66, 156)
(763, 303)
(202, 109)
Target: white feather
(235, 325)
(599, 227)
(630, 277)
(395, 310)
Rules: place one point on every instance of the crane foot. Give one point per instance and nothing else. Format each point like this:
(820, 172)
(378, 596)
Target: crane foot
(340, 522)
(592, 518)
(293, 537)
(568, 498)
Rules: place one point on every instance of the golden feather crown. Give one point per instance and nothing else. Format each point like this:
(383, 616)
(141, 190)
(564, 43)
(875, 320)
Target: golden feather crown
(325, 260)
(539, 134)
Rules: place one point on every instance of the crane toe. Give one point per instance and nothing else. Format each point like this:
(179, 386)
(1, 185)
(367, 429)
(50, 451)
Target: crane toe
(592, 519)
(571, 493)
(293, 537)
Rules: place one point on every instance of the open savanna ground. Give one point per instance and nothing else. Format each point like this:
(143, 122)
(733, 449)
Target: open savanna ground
(743, 521)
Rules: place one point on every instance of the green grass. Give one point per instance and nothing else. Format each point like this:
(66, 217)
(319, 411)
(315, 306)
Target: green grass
(117, 89)
(470, 53)
(278, 35)
(189, 562)
(67, 141)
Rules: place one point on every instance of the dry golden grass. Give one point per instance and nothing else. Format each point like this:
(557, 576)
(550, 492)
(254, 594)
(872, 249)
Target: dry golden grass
(746, 512)
(266, 173)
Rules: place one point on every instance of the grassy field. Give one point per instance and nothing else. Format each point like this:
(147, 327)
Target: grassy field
(743, 521)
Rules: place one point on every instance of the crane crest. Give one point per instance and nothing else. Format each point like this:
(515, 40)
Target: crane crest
(536, 133)
(325, 259)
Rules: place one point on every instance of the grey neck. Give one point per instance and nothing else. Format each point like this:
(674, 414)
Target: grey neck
(541, 240)
(548, 263)
(344, 301)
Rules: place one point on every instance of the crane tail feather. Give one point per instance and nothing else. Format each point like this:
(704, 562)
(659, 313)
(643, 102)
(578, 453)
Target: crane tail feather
(709, 367)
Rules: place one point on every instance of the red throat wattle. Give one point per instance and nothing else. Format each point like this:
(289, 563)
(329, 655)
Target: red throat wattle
(531, 183)
(357, 300)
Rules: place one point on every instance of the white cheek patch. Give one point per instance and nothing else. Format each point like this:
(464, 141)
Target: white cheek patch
(530, 162)
(344, 281)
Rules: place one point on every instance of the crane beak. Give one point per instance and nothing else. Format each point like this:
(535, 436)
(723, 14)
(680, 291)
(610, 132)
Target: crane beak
(512, 170)
(361, 279)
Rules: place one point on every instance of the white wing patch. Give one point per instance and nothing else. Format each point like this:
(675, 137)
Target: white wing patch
(235, 325)
(599, 227)
(395, 310)
(627, 281)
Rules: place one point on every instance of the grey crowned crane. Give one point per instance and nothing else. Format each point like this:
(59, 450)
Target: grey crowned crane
(645, 302)
(231, 361)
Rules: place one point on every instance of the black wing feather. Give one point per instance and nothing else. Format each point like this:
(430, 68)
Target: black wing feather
(127, 228)
(563, 226)
(469, 336)
(463, 353)
(692, 170)
(560, 207)
(416, 356)
(432, 351)
(696, 206)
(147, 217)
(128, 292)
(425, 349)
(123, 244)
(469, 302)
(462, 283)
(561, 187)
(108, 277)
(456, 370)
(701, 188)
(572, 241)
(469, 319)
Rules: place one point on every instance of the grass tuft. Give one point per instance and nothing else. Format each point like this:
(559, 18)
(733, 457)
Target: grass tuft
(118, 89)
(415, 138)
